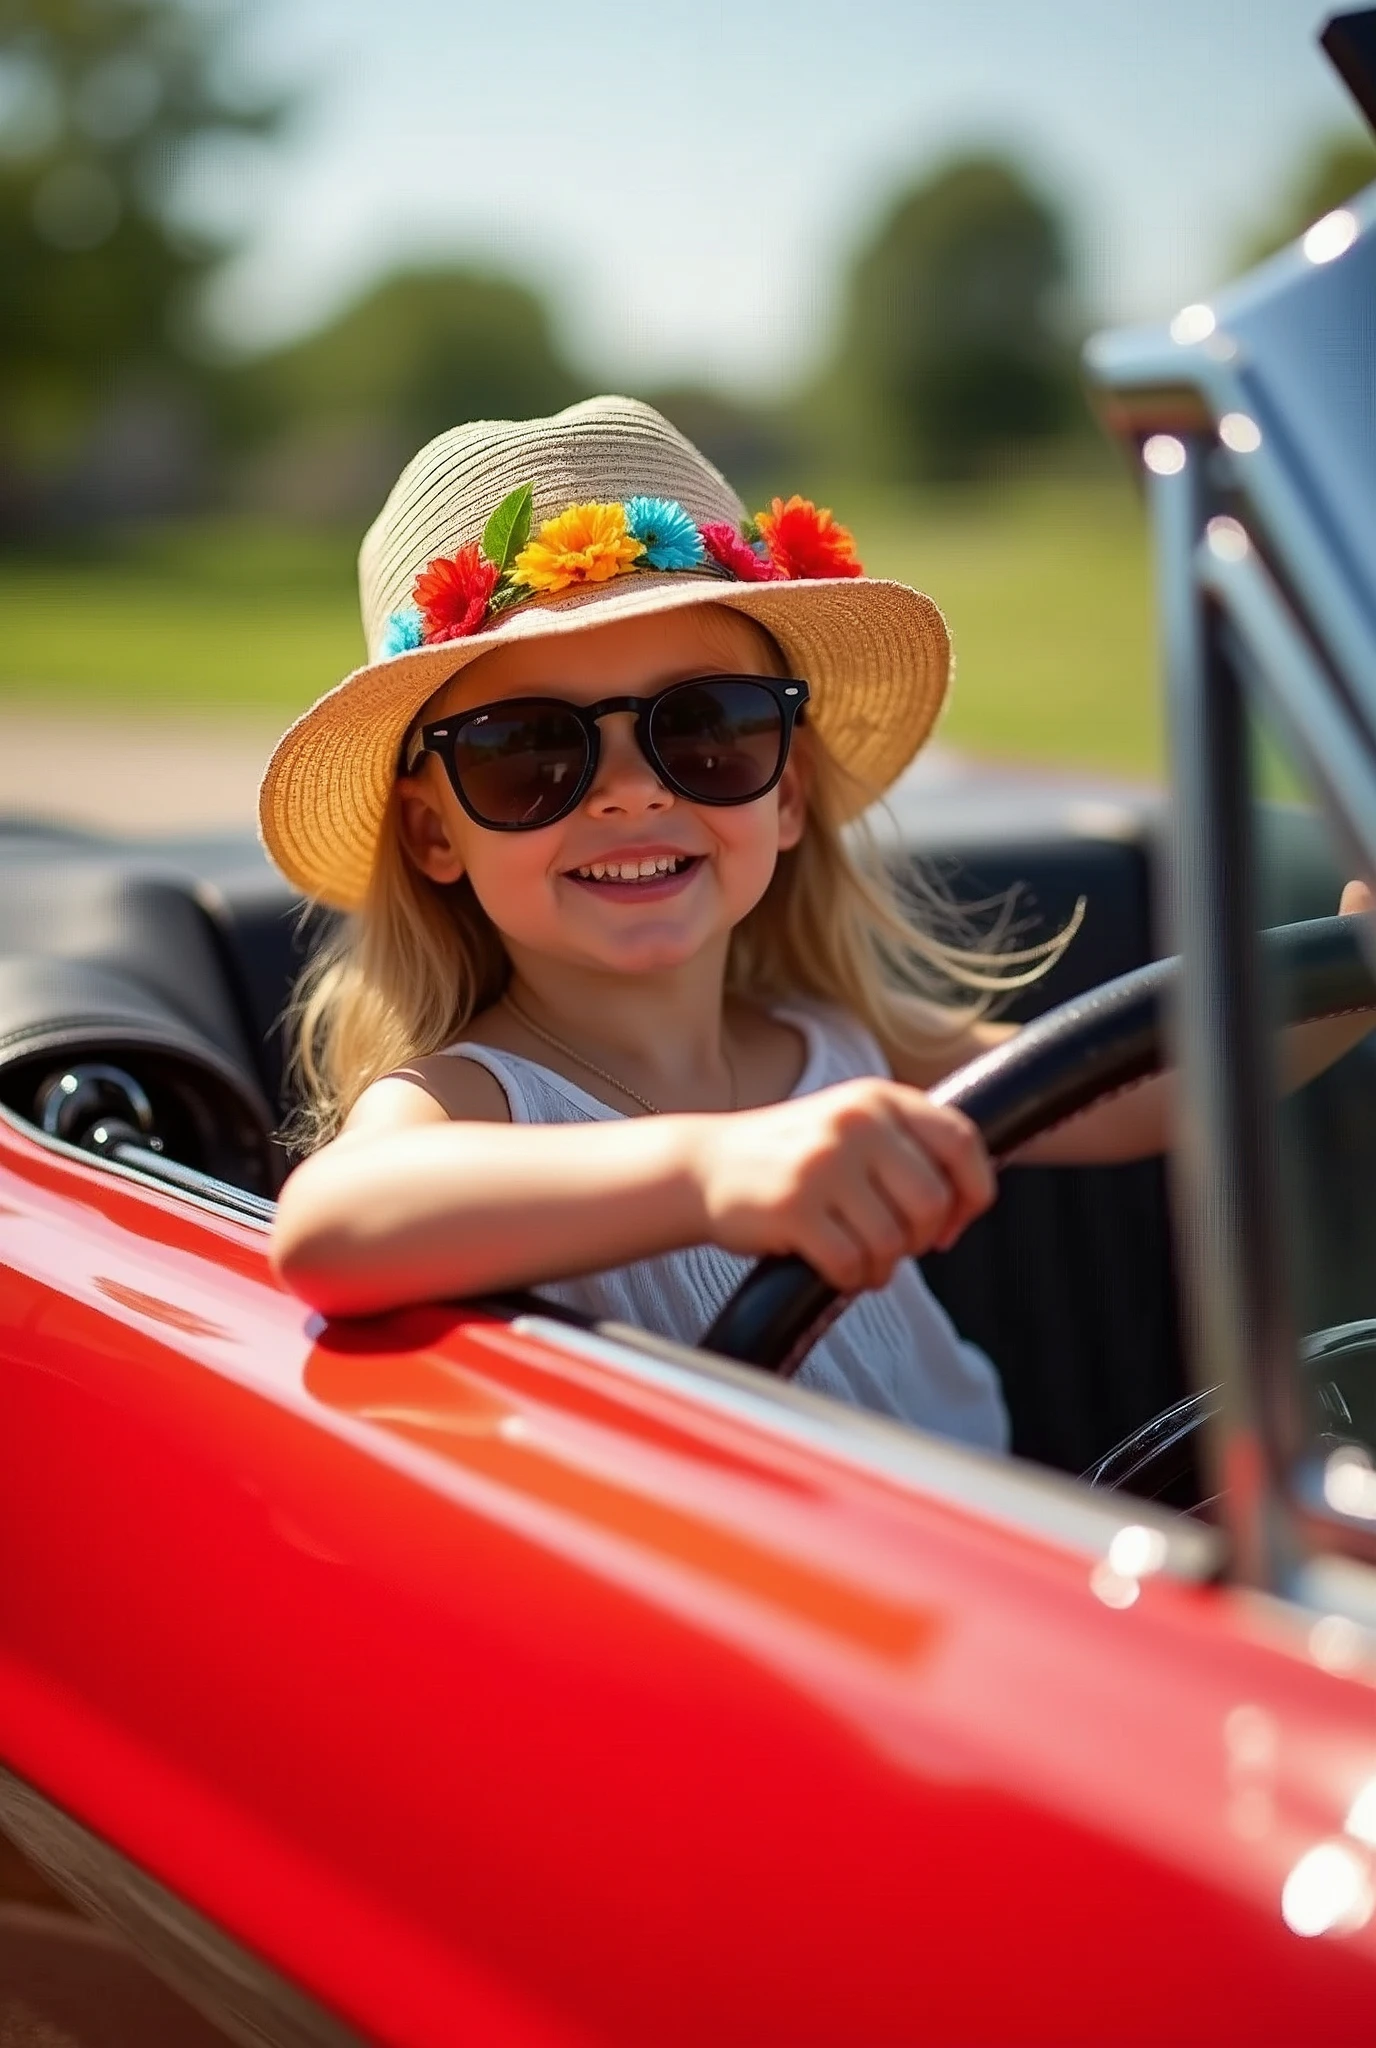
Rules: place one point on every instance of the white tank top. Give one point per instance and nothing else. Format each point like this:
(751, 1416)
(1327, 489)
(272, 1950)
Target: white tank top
(894, 1351)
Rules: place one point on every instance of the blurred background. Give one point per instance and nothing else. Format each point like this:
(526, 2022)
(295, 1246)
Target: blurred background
(254, 252)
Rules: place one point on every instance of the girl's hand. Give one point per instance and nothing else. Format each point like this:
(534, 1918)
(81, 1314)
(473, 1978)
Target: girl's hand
(853, 1179)
(1356, 897)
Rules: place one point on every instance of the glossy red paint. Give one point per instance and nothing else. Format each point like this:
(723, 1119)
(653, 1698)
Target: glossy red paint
(495, 1692)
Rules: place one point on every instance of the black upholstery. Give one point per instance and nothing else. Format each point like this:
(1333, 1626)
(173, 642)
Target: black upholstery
(107, 952)
(147, 925)
(207, 1111)
(1068, 1283)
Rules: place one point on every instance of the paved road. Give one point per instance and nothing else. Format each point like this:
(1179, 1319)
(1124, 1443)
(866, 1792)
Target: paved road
(133, 774)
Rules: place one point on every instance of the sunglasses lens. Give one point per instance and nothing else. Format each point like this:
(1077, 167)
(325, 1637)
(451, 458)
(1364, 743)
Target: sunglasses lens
(520, 767)
(720, 742)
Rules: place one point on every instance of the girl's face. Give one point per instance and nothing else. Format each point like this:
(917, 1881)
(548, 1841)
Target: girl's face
(529, 882)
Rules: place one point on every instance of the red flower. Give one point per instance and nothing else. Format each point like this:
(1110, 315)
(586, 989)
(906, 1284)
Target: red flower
(804, 542)
(452, 594)
(725, 545)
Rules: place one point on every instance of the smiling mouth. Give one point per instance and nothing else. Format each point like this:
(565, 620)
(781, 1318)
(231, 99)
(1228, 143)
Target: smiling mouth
(658, 869)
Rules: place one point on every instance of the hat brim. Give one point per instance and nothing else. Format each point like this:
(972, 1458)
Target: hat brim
(875, 654)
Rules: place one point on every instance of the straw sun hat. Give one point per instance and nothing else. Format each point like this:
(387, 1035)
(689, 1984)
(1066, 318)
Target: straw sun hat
(634, 495)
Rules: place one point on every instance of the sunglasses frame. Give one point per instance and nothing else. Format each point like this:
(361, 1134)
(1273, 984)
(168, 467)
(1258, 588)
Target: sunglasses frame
(440, 737)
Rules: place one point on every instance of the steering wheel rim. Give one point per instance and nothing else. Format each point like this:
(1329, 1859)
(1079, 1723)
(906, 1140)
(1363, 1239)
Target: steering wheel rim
(1074, 1056)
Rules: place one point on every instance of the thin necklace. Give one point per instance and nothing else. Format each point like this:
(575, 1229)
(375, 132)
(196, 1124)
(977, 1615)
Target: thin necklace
(591, 1066)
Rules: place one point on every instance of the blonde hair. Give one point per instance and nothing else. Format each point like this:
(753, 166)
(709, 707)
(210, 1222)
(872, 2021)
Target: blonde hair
(410, 972)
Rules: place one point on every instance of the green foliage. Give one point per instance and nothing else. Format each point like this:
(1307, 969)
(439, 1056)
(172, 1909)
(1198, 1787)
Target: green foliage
(422, 352)
(755, 444)
(1335, 170)
(1047, 590)
(508, 530)
(102, 109)
(956, 343)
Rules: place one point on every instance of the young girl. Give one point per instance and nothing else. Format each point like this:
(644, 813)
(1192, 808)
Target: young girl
(617, 1010)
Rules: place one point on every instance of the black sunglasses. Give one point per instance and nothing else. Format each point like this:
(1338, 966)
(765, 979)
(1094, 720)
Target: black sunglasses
(528, 762)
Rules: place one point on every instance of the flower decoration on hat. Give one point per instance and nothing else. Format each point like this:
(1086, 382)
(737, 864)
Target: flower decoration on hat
(404, 630)
(806, 542)
(586, 544)
(452, 594)
(455, 596)
(735, 554)
(666, 533)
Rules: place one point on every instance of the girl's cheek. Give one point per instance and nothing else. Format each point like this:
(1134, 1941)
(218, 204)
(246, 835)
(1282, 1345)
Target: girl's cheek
(513, 884)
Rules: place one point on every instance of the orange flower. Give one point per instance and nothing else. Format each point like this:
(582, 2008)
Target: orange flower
(586, 544)
(805, 543)
(452, 594)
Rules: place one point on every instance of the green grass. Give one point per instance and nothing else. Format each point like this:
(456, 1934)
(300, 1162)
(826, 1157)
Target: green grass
(215, 618)
(1047, 592)
(1046, 588)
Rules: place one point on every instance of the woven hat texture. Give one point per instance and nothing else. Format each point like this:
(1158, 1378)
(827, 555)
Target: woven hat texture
(875, 653)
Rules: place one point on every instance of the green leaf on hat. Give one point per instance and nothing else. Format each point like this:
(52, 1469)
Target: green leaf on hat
(506, 595)
(750, 530)
(508, 530)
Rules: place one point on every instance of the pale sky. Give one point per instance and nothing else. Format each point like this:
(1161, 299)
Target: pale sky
(686, 179)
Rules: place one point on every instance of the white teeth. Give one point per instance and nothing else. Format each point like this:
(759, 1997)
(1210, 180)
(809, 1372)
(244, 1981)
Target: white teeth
(646, 870)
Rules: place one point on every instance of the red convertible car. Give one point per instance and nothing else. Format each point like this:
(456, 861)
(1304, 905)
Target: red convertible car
(476, 1674)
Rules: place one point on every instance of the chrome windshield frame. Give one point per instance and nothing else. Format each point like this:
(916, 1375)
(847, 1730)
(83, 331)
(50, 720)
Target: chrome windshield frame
(1263, 608)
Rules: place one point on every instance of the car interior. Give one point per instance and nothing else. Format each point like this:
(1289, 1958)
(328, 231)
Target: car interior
(143, 988)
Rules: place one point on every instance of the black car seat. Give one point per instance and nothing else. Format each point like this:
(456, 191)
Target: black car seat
(107, 956)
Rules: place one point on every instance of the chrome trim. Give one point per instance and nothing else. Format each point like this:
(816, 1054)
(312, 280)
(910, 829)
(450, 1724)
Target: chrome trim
(1285, 673)
(202, 1190)
(1337, 1338)
(1316, 723)
(240, 1994)
(1225, 1189)
(1138, 371)
(1002, 1490)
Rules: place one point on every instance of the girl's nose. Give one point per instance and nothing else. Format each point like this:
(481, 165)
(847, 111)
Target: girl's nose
(625, 781)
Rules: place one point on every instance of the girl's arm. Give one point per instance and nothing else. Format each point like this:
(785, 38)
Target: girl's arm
(1140, 1121)
(409, 1205)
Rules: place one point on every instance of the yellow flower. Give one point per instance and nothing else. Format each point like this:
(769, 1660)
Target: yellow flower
(586, 544)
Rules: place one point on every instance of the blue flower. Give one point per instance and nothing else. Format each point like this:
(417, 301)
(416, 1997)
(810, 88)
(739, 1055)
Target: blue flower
(403, 631)
(664, 530)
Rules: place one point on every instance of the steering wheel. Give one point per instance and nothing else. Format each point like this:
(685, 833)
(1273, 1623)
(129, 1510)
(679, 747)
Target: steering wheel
(1072, 1057)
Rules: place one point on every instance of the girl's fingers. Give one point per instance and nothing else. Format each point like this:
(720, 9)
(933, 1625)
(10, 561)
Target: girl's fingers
(1356, 897)
(917, 1189)
(957, 1147)
(879, 1228)
(837, 1254)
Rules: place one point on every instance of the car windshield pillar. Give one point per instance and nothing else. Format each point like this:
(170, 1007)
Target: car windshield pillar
(1226, 1194)
(1260, 471)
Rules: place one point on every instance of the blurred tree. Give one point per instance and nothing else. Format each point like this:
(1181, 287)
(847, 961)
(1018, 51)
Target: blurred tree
(1334, 171)
(334, 415)
(422, 351)
(754, 445)
(957, 340)
(105, 107)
